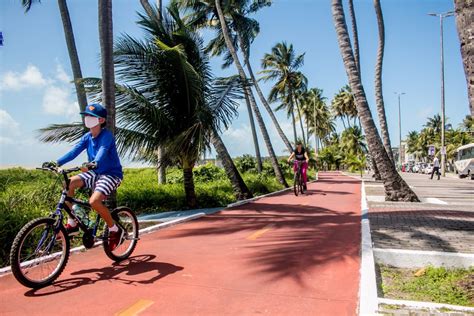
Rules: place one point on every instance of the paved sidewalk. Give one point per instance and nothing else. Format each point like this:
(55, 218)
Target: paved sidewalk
(444, 221)
(280, 255)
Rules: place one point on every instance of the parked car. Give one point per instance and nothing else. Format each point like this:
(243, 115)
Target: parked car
(416, 168)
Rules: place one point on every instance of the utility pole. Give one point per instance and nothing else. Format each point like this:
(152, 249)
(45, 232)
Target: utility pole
(399, 128)
(443, 148)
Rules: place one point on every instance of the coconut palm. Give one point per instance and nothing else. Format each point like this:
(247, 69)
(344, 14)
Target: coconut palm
(318, 115)
(243, 30)
(168, 99)
(243, 77)
(352, 141)
(71, 47)
(282, 65)
(161, 167)
(344, 107)
(203, 15)
(378, 82)
(434, 123)
(464, 13)
(395, 187)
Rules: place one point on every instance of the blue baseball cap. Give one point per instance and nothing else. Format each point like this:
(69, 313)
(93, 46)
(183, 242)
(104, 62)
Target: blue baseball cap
(96, 110)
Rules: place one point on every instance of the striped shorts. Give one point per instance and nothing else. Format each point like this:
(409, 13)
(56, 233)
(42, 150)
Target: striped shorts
(105, 184)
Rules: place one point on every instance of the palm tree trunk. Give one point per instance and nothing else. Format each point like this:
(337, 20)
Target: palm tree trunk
(147, 7)
(294, 127)
(241, 191)
(107, 61)
(464, 13)
(376, 170)
(108, 76)
(261, 123)
(161, 166)
(262, 98)
(73, 57)
(395, 187)
(378, 82)
(253, 129)
(189, 191)
(355, 35)
(301, 122)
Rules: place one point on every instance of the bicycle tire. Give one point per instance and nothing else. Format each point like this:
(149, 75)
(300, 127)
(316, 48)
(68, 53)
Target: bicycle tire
(134, 237)
(301, 184)
(16, 248)
(295, 184)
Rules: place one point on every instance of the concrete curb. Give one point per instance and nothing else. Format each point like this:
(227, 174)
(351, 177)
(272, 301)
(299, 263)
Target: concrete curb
(404, 258)
(368, 300)
(425, 305)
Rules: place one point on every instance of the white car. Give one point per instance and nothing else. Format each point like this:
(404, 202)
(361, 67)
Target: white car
(428, 169)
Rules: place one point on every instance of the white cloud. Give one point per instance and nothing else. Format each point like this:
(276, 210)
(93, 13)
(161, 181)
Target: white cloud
(57, 101)
(5, 140)
(31, 77)
(6, 121)
(61, 74)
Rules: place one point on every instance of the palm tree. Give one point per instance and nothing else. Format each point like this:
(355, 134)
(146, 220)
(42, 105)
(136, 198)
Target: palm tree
(344, 106)
(464, 13)
(352, 141)
(318, 115)
(203, 14)
(243, 77)
(395, 187)
(243, 29)
(434, 123)
(282, 65)
(71, 47)
(169, 99)
(378, 82)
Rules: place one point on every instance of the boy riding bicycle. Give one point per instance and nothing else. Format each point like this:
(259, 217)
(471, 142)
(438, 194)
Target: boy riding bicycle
(301, 155)
(103, 173)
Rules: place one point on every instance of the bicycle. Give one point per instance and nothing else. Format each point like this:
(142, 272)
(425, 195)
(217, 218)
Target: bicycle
(298, 183)
(44, 241)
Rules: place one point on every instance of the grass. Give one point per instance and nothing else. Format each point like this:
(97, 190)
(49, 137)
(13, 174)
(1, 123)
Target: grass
(430, 284)
(28, 194)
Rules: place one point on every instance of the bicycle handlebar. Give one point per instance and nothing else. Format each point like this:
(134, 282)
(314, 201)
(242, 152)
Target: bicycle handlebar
(59, 170)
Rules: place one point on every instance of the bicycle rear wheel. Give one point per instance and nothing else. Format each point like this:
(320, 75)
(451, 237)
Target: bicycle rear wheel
(126, 219)
(38, 255)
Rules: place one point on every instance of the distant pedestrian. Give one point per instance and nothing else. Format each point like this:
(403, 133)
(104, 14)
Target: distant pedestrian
(435, 167)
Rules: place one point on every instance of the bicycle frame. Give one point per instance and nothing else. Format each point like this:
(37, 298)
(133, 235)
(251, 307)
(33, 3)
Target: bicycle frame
(63, 206)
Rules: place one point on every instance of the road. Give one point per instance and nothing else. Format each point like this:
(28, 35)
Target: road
(281, 255)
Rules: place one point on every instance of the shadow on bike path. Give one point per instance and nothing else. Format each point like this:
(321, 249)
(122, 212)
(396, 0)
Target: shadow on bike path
(124, 272)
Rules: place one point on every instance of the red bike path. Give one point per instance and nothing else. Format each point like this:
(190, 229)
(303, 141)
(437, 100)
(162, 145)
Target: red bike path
(280, 255)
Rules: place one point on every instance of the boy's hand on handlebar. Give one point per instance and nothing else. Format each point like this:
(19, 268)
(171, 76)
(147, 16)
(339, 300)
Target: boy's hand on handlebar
(86, 166)
(49, 164)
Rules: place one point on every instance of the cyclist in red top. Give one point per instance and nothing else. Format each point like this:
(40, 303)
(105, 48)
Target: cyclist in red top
(300, 154)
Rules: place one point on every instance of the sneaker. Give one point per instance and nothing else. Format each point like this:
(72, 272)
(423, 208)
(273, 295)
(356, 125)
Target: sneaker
(72, 230)
(115, 239)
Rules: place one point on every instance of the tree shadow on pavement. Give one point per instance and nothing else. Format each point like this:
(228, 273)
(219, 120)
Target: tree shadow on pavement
(438, 230)
(301, 238)
(135, 270)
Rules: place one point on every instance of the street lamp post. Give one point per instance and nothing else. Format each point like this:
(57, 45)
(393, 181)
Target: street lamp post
(399, 128)
(443, 150)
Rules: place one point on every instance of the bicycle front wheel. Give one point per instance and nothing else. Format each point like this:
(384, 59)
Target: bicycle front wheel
(38, 255)
(127, 220)
(296, 184)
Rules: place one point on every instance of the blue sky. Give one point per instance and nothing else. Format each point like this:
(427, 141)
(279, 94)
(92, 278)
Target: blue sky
(35, 88)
